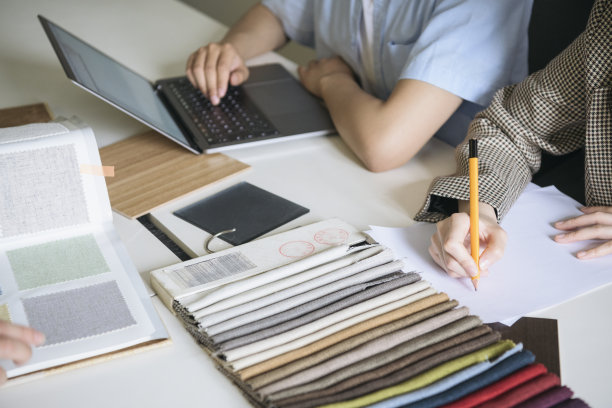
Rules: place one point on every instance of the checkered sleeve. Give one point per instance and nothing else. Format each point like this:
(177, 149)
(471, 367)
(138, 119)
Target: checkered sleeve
(545, 112)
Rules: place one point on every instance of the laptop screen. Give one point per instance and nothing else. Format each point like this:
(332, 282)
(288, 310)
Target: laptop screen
(111, 81)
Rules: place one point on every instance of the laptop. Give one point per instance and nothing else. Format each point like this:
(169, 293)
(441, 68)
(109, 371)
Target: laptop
(270, 106)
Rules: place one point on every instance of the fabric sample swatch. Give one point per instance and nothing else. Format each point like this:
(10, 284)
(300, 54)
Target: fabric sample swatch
(341, 347)
(446, 375)
(523, 392)
(254, 353)
(548, 398)
(320, 297)
(4, 313)
(342, 335)
(323, 311)
(492, 377)
(57, 261)
(41, 190)
(410, 352)
(78, 313)
(489, 388)
(373, 347)
(299, 294)
(433, 358)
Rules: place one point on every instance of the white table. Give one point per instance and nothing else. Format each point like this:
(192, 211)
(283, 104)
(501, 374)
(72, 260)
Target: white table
(154, 38)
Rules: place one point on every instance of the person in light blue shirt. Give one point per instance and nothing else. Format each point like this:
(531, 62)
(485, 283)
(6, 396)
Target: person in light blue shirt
(393, 73)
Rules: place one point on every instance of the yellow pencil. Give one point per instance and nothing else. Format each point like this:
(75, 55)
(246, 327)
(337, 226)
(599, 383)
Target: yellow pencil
(474, 233)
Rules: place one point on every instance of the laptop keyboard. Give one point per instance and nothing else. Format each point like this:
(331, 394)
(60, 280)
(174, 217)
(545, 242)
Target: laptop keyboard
(235, 119)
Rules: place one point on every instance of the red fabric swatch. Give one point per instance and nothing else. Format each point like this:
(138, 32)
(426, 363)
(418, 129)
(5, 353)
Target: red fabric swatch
(523, 392)
(505, 384)
(548, 398)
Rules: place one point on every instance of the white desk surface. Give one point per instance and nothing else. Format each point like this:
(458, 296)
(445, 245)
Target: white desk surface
(154, 38)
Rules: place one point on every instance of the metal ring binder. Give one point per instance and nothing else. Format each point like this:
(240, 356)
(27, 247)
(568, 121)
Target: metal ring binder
(217, 235)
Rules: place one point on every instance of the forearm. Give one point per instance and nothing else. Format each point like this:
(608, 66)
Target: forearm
(386, 134)
(257, 32)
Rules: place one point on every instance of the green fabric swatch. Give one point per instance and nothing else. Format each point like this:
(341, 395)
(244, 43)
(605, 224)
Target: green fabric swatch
(57, 261)
(4, 313)
(428, 377)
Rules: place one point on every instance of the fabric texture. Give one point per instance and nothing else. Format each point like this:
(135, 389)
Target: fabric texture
(388, 392)
(447, 44)
(411, 352)
(548, 398)
(65, 316)
(373, 347)
(349, 344)
(260, 351)
(441, 355)
(560, 109)
(337, 337)
(245, 298)
(321, 312)
(488, 388)
(523, 392)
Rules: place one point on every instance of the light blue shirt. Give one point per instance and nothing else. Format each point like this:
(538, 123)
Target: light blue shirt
(470, 48)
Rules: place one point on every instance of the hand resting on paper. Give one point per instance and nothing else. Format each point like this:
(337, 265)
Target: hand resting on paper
(450, 245)
(16, 342)
(596, 223)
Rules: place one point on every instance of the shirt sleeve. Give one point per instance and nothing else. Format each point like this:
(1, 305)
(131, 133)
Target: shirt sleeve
(545, 112)
(472, 47)
(297, 18)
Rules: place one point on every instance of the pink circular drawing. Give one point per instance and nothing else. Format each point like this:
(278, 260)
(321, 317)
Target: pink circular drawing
(331, 236)
(296, 249)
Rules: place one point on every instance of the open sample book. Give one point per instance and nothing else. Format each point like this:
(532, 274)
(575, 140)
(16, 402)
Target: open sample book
(323, 316)
(63, 268)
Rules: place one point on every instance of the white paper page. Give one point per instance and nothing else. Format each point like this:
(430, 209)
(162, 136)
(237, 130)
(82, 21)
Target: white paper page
(535, 272)
(66, 212)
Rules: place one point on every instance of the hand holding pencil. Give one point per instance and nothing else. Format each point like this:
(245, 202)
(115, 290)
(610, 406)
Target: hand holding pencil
(450, 247)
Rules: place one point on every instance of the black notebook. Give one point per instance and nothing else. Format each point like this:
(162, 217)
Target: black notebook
(251, 210)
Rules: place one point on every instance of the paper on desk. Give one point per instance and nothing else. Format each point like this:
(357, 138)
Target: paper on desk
(535, 272)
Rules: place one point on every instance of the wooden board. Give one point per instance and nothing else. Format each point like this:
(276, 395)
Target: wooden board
(151, 171)
(23, 115)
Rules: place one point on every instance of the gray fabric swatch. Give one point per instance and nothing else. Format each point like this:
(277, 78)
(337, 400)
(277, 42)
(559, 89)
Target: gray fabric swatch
(322, 311)
(41, 190)
(78, 313)
(302, 309)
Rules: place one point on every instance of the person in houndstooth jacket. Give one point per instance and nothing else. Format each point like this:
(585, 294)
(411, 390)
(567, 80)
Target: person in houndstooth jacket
(565, 107)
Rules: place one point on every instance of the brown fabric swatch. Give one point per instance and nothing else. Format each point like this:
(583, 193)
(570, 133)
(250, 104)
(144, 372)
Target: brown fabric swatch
(305, 351)
(348, 344)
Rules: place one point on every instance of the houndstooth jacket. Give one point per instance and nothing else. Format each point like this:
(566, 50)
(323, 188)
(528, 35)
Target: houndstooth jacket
(560, 109)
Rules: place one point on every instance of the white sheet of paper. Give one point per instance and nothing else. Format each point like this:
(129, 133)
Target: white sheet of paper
(535, 272)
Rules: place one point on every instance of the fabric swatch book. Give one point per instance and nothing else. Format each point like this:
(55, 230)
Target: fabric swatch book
(321, 316)
(63, 268)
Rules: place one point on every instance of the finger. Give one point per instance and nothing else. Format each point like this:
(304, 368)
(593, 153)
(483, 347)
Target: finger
(495, 248)
(598, 217)
(210, 72)
(21, 333)
(224, 69)
(453, 245)
(13, 349)
(188, 70)
(436, 254)
(197, 68)
(601, 250)
(590, 210)
(239, 75)
(591, 232)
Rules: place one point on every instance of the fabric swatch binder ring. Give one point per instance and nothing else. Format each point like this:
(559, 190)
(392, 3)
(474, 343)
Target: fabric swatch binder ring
(217, 235)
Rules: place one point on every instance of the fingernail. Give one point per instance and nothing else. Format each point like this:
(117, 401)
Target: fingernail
(484, 264)
(582, 254)
(222, 92)
(214, 99)
(560, 236)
